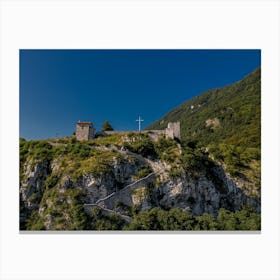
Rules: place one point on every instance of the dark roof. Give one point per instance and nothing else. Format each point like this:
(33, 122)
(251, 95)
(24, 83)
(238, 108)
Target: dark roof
(84, 123)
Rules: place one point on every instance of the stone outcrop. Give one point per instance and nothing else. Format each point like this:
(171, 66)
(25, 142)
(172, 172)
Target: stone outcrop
(204, 194)
(32, 182)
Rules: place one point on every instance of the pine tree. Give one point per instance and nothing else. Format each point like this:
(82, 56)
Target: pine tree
(107, 126)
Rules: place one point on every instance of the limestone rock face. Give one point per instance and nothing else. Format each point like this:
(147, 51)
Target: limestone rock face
(31, 188)
(118, 189)
(200, 195)
(203, 196)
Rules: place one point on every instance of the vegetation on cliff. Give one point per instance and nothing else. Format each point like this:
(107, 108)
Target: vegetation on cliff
(59, 203)
(178, 219)
(220, 135)
(226, 121)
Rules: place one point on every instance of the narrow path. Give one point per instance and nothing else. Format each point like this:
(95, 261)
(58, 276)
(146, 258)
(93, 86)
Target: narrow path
(132, 185)
(155, 166)
(107, 211)
(105, 198)
(136, 183)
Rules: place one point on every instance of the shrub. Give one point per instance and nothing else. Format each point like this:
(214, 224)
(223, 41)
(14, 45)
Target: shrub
(175, 172)
(167, 150)
(80, 150)
(34, 197)
(226, 220)
(192, 160)
(39, 225)
(98, 221)
(142, 145)
(206, 222)
(51, 181)
(143, 172)
(39, 150)
(34, 222)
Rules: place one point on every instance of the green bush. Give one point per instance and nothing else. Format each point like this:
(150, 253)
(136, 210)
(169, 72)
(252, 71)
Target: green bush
(245, 219)
(143, 145)
(143, 172)
(98, 221)
(175, 172)
(51, 181)
(34, 222)
(38, 150)
(39, 225)
(167, 149)
(34, 197)
(80, 150)
(194, 160)
(206, 222)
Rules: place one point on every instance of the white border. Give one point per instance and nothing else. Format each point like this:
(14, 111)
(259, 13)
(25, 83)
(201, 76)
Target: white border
(139, 24)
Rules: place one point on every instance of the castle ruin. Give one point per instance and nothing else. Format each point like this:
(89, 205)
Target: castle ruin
(172, 131)
(84, 131)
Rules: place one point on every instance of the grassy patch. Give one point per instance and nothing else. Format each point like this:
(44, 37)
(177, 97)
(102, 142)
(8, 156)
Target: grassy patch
(99, 162)
(115, 139)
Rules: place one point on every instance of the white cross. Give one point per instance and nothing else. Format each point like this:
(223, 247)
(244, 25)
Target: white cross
(139, 120)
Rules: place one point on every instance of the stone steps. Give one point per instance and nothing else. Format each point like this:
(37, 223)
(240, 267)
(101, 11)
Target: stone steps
(131, 186)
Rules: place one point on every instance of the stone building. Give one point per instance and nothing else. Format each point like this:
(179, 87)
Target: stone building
(84, 131)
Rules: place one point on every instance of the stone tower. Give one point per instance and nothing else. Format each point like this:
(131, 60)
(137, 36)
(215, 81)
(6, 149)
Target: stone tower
(84, 131)
(173, 130)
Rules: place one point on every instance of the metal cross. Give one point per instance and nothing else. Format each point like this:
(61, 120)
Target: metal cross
(139, 120)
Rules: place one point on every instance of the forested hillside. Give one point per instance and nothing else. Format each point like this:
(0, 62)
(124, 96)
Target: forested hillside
(227, 122)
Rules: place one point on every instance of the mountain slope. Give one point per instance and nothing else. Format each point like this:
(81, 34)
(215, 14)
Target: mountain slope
(128, 182)
(228, 122)
(208, 181)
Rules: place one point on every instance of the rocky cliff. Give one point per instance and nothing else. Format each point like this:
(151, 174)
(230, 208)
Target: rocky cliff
(63, 184)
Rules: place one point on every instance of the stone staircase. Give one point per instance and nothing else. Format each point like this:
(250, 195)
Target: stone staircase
(124, 195)
(107, 212)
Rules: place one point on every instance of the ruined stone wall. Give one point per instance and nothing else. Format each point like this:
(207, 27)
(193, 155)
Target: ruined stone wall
(153, 134)
(113, 132)
(173, 130)
(91, 132)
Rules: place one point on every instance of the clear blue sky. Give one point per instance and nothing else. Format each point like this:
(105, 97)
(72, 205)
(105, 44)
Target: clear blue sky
(60, 87)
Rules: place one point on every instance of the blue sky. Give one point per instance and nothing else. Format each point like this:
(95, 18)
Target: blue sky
(60, 87)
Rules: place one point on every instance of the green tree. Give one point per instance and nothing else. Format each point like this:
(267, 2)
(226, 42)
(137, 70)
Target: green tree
(159, 219)
(206, 222)
(248, 219)
(107, 126)
(142, 145)
(226, 220)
